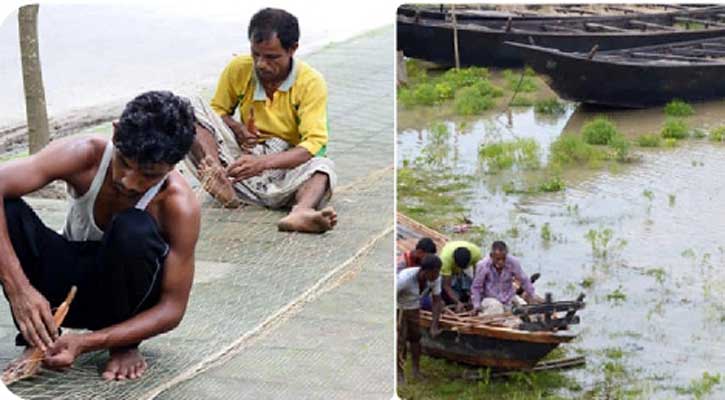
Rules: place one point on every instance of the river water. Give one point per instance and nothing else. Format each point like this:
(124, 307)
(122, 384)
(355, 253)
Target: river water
(656, 302)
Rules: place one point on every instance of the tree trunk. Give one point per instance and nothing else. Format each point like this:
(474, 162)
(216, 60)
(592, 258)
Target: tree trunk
(32, 78)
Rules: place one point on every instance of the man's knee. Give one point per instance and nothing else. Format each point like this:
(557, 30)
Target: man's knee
(15, 209)
(133, 232)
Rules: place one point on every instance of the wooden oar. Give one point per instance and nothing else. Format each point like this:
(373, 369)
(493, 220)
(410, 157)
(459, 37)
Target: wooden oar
(30, 366)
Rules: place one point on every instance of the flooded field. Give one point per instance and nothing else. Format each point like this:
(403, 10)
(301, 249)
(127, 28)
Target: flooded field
(636, 225)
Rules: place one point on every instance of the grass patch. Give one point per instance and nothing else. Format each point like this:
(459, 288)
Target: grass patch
(546, 232)
(573, 150)
(504, 155)
(525, 83)
(477, 98)
(521, 101)
(550, 106)
(621, 147)
(699, 388)
(555, 184)
(617, 296)
(675, 128)
(425, 90)
(678, 108)
(599, 131)
(445, 381)
(649, 140)
(718, 134)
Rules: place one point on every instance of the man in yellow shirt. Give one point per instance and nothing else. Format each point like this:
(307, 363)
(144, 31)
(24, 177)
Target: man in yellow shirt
(274, 156)
(457, 257)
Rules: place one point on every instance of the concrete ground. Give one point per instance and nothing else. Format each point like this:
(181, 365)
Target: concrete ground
(275, 315)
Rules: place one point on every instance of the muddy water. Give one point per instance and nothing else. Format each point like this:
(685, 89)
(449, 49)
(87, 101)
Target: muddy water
(658, 296)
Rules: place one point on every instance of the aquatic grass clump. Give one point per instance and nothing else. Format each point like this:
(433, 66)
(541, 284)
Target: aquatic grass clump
(521, 101)
(621, 146)
(420, 94)
(525, 83)
(555, 184)
(573, 150)
(678, 108)
(503, 155)
(617, 296)
(599, 131)
(718, 134)
(462, 77)
(469, 101)
(550, 106)
(649, 140)
(675, 128)
(700, 388)
(602, 243)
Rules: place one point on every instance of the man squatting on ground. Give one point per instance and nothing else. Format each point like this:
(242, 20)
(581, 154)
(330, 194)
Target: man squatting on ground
(127, 244)
(459, 259)
(275, 155)
(493, 291)
(412, 284)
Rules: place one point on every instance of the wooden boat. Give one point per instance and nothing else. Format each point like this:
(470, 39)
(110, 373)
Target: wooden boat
(637, 77)
(504, 341)
(481, 43)
(482, 12)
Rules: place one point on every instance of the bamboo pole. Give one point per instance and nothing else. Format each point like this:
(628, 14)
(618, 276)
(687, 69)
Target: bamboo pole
(35, 107)
(455, 36)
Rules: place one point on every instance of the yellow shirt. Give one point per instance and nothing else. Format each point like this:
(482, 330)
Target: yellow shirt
(449, 267)
(297, 113)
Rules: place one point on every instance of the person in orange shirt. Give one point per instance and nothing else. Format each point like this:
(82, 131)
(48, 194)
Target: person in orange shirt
(275, 154)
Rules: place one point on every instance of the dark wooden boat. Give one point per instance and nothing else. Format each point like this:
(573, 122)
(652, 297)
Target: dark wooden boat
(481, 43)
(637, 77)
(513, 340)
(483, 12)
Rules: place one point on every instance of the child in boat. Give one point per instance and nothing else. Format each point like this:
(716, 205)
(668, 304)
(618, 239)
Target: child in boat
(414, 257)
(493, 290)
(412, 283)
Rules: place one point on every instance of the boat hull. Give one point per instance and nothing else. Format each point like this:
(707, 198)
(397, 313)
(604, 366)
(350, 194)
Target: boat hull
(625, 84)
(482, 46)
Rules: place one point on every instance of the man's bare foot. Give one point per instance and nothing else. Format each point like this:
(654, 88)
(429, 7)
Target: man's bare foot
(308, 220)
(329, 213)
(124, 364)
(214, 181)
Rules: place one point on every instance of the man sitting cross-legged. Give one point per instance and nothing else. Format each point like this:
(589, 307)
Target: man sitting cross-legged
(127, 244)
(275, 155)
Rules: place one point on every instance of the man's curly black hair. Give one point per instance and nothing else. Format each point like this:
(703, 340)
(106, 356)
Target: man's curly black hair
(269, 21)
(155, 127)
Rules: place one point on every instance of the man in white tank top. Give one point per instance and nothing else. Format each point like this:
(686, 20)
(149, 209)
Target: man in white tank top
(127, 245)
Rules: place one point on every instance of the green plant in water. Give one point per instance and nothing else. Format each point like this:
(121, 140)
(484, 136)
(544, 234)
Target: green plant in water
(573, 150)
(469, 101)
(658, 273)
(546, 232)
(503, 155)
(649, 140)
(718, 134)
(670, 142)
(550, 106)
(617, 296)
(621, 147)
(521, 101)
(678, 108)
(699, 388)
(601, 242)
(599, 131)
(421, 94)
(525, 83)
(554, 184)
(648, 194)
(587, 282)
(671, 199)
(675, 128)
(462, 77)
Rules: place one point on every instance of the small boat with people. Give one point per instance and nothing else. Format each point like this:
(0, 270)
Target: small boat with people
(516, 339)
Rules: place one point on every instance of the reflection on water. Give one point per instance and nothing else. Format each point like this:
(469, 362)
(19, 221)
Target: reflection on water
(659, 294)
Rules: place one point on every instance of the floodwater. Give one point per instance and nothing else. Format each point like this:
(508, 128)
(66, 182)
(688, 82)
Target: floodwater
(655, 314)
(99, 54)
